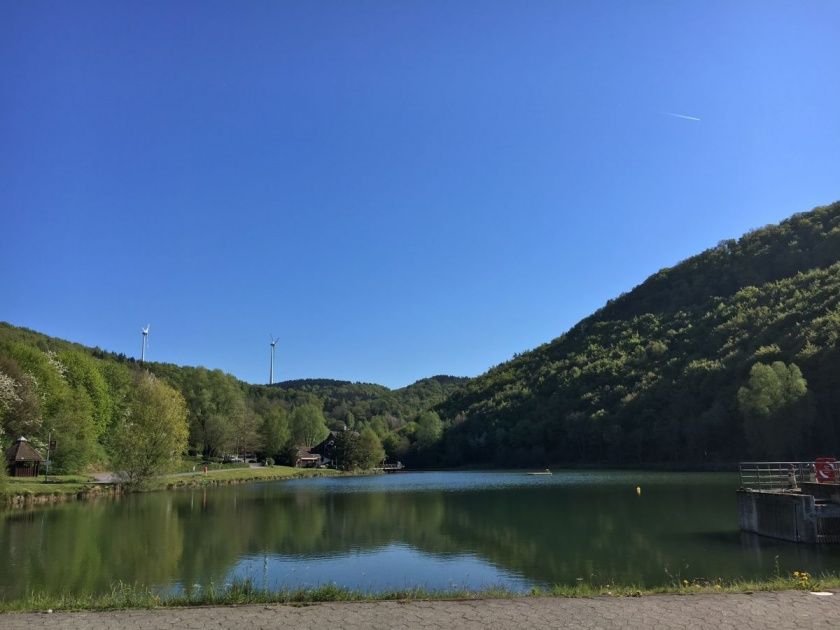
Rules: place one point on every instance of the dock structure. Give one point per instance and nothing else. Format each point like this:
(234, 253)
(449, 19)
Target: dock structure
(795, 501)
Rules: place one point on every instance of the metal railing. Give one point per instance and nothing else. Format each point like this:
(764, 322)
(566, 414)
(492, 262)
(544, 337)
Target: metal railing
(774, 475)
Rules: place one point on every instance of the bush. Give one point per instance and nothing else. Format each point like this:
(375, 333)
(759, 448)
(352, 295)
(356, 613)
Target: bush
(151, 439)
(269, 461)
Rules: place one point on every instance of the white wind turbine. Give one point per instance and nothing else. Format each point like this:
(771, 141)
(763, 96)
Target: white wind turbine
(145, 332)
(273, 343)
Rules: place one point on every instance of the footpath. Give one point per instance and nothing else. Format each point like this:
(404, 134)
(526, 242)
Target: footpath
(758, 611)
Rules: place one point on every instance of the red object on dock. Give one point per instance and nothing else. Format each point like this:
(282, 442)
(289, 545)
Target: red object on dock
(825, 470)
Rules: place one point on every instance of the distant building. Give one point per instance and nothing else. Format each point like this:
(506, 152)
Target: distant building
(23, 460)
(326, 449)
(322, 454)
(306, 459)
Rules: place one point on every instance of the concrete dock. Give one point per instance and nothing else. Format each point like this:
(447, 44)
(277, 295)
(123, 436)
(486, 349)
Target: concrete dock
(788, 504)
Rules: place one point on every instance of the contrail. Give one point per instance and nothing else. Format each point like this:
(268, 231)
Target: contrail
(683, 116)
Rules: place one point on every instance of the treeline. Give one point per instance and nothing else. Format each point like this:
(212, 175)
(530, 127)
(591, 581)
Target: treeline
(92, 403)
(352, 405)
(94, 411)
(731, 354)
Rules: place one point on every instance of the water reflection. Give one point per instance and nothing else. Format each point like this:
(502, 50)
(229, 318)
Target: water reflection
(426, 529)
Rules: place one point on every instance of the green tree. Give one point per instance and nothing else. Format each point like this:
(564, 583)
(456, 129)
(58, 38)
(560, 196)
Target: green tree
(153, 436)
(346, 450)
(395, 445)
(275, 432)
(82, 373)
(65, 412)
(379, 424)
(74, 433)
(429, 429)
(120, 381)
(20, 405)
(246, 436)
(773, 425)
(371, 452)
(216, 405)
(354, 451)
(308, 425)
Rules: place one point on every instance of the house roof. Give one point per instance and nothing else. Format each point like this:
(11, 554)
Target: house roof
(22, 451)
(324, 445)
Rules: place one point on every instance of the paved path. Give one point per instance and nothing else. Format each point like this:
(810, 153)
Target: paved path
(761, 611)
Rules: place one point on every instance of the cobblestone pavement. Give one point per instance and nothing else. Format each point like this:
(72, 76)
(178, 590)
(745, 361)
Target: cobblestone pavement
(761, 611)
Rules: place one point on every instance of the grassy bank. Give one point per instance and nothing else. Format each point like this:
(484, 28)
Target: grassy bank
(236, 475)
(29, 491)
(122, 596)
(55, 484)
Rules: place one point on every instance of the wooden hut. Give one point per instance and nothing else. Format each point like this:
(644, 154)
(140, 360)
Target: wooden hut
(307, 459)
(23, 460)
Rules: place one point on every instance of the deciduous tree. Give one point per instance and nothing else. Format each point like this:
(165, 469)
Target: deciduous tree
(153, 436)
(308, 425)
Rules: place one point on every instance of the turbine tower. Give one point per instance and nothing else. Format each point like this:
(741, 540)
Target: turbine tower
(273, 343)
(145, 332)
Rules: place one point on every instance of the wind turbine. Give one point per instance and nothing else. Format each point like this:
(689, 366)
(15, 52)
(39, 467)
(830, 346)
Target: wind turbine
(145, 332)
(273, 343)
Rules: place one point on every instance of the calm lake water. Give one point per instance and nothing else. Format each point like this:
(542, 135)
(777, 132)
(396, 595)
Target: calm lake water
(434, 529)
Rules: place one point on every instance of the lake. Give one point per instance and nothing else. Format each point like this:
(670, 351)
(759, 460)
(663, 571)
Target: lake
(428, 529)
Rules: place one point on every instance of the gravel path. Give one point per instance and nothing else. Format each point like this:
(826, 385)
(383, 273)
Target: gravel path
(759, 611)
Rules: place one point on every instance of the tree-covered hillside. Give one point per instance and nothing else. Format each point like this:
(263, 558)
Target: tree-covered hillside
(348, 402)
(89, 401)
(730, 354)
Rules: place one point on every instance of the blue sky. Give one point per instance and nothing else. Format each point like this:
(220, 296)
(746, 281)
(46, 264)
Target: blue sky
(395, 189)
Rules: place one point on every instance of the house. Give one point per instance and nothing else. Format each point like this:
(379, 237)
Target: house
(22, 460)
(322, 454)
(326, 449)
(305, 458)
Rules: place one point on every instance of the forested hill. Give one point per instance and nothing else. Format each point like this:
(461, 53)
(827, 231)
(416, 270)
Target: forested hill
(84, 396)
(732, 353)
(348, 401)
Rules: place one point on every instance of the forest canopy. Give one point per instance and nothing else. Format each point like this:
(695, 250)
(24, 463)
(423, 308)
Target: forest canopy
(730, 354)
(95, 406)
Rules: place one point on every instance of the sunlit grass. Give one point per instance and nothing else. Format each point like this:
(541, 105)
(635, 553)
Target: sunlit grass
(79, 484)
(215, 477)
(56, 484)
(123, 596)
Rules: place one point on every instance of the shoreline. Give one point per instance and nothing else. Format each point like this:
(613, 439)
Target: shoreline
(53, 493)
(135, 597)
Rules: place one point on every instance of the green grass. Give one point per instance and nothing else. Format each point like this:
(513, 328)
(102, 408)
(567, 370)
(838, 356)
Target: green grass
(75, 484)
(237, 475)
(187, 464)
(57, 484)
(123, 596)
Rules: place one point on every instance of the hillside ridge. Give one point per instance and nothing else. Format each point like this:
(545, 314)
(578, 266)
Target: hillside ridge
(679, 345)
